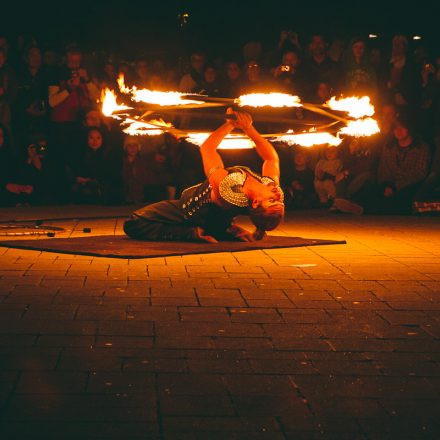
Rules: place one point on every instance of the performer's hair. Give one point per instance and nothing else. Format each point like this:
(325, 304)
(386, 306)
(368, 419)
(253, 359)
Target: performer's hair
(266, 219)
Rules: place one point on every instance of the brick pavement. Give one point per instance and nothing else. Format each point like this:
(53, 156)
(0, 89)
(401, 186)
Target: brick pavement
(328, 342)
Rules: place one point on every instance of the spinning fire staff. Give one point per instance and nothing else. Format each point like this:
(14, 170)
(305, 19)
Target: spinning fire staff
(206, 212)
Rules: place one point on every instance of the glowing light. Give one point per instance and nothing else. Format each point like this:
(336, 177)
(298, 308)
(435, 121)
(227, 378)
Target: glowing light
(417, 37)
(134, 127)
(154, 97)
(268, 99)
(361, 127)
(372, 36)
(109, 104)
(230, 142)
(355, 107)
(161, 98)
(309, 139)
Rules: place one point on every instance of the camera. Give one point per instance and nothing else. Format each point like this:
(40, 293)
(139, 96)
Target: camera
(40, 149)
(285, 68)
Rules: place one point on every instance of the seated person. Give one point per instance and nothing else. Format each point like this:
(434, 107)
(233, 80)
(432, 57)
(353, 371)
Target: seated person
(357, 176)
(206, 212)
(327, 174)
(299, 188)
(97, 175)
(134, 171)
(12, 191)
(403, 166)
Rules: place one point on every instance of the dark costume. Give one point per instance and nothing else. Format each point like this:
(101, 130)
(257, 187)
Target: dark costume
(178, 219)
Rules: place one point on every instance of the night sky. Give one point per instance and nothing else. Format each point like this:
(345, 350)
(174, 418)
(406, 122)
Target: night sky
(215, 26)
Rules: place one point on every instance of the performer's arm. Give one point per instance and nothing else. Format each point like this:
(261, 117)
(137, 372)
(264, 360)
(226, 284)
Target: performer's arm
(271, 161)
(212, 161)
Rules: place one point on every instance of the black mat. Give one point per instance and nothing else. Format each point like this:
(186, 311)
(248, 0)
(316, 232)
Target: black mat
(120, 246)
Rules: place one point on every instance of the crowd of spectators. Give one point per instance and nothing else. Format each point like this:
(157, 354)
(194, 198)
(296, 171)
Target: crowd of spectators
(57, 147)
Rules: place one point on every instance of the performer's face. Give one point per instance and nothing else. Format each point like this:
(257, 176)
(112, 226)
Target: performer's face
(268, 196)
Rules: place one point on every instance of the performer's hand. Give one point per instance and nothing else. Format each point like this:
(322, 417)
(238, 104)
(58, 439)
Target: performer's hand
(240, 233)
(243, 121)
(200, 235)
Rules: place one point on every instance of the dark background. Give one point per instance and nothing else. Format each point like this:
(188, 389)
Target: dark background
(152, 27)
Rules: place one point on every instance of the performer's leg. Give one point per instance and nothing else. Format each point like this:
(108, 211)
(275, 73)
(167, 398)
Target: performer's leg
(143, 229)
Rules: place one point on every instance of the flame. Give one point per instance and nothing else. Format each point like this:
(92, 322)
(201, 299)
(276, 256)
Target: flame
(121, 83)
(140, 128)
(152, 96)
(109, 104)
(355, 107)
(268, 99)
(309, 139)
(161, 98)
(230, 142)
(361, 127)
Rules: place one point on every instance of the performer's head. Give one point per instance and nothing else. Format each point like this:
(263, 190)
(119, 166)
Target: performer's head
(266, 209)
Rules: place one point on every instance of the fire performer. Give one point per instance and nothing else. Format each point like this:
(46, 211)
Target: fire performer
(206, 212)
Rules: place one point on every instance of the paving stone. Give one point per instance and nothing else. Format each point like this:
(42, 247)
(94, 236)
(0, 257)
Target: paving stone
(325, 342)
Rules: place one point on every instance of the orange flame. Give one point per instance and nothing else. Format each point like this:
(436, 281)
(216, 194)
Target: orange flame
(154, 97)
(230, 142)
(355, 107)
(361, 127)
(109, 104)
(139, 128)
(161, 98)
(268, 99)
(121, 83)
(309, 139)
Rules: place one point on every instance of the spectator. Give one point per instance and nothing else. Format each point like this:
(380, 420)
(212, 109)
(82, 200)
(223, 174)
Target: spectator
(194, 77)
(97, 175)
(210, 85)
(233, 82)
(70, 92)
(327, 174)
(32, 94)
(109, 76)
(142, 74)
(359, 74)
(299, 191)
(319, 67)
(289, 72)
(11, 192)
(403, 166)
(42, 173)
(430, 189)
(159, 182)
(254, 80)
(357, 176)
(134, 171)
(8, 89)
(402, 82)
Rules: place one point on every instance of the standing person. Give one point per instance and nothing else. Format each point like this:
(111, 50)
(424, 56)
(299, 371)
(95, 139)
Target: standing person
(32, 94)
(194, 77)
(319, 67)
(402, 77)
(70, 92)
(233, 80)
(206, 212)
(134, 171)
(8, 89)
(359, 75)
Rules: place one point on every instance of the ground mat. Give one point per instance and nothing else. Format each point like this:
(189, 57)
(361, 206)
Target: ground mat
(120, 246)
